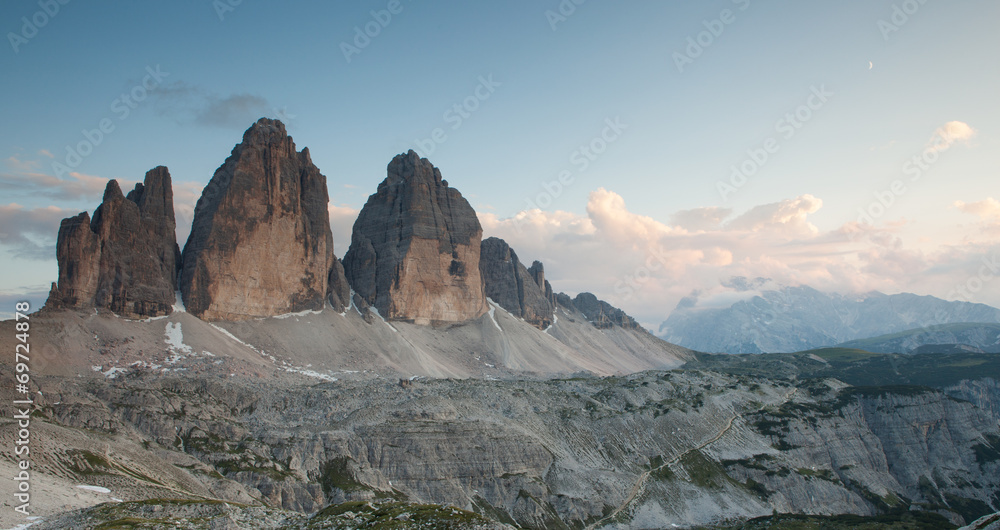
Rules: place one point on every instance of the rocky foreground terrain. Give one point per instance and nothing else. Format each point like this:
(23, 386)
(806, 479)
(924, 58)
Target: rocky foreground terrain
(692, 447)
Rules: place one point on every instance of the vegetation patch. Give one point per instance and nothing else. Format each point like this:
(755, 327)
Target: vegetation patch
(336, 474)
(904, 520)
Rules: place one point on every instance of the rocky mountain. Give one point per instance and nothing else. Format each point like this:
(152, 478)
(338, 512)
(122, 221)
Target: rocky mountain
(787, 319)
(261, 244)
(985, 337)
(600, 313)
(124, 259)
(415, 248)
(521, 291)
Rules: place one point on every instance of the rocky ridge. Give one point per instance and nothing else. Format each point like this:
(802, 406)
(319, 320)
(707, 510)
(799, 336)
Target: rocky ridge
(519, 290)
(789, 319)
(124, 259)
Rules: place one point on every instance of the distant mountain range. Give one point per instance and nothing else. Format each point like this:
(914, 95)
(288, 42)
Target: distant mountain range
(944, 338)
(788, 319)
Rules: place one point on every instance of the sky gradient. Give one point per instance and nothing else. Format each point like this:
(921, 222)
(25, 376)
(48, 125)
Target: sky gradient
(600, 138)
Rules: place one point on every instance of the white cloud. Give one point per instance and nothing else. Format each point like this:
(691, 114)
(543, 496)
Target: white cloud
(80, 186)
(646, 267)
(788, 217)
(21, 165)
(700, 219)
(31, 233)
(988, 211)
(342, 224)
(950, 133)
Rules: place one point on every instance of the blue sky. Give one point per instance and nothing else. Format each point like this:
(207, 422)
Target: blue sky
(891, 93)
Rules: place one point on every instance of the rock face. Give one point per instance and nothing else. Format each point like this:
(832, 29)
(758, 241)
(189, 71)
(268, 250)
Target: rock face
(415, 248)
(261, 243)
(537, 271)
(600, 313)
(519, 290)
(125, 259)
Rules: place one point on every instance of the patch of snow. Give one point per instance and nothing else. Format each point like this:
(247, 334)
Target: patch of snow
(147, 320)
(374, 310)
(310, 373)
(305, 313)
(179, 303)
(352, 304)
(175, 343)
(555, 319)
(225, 332)
(96, 489)
(113, 372)
(493, 310)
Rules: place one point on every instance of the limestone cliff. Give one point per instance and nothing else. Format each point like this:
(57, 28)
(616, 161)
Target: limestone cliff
(415, 248)
(519, 290)
(125, 258)
(261, 243)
